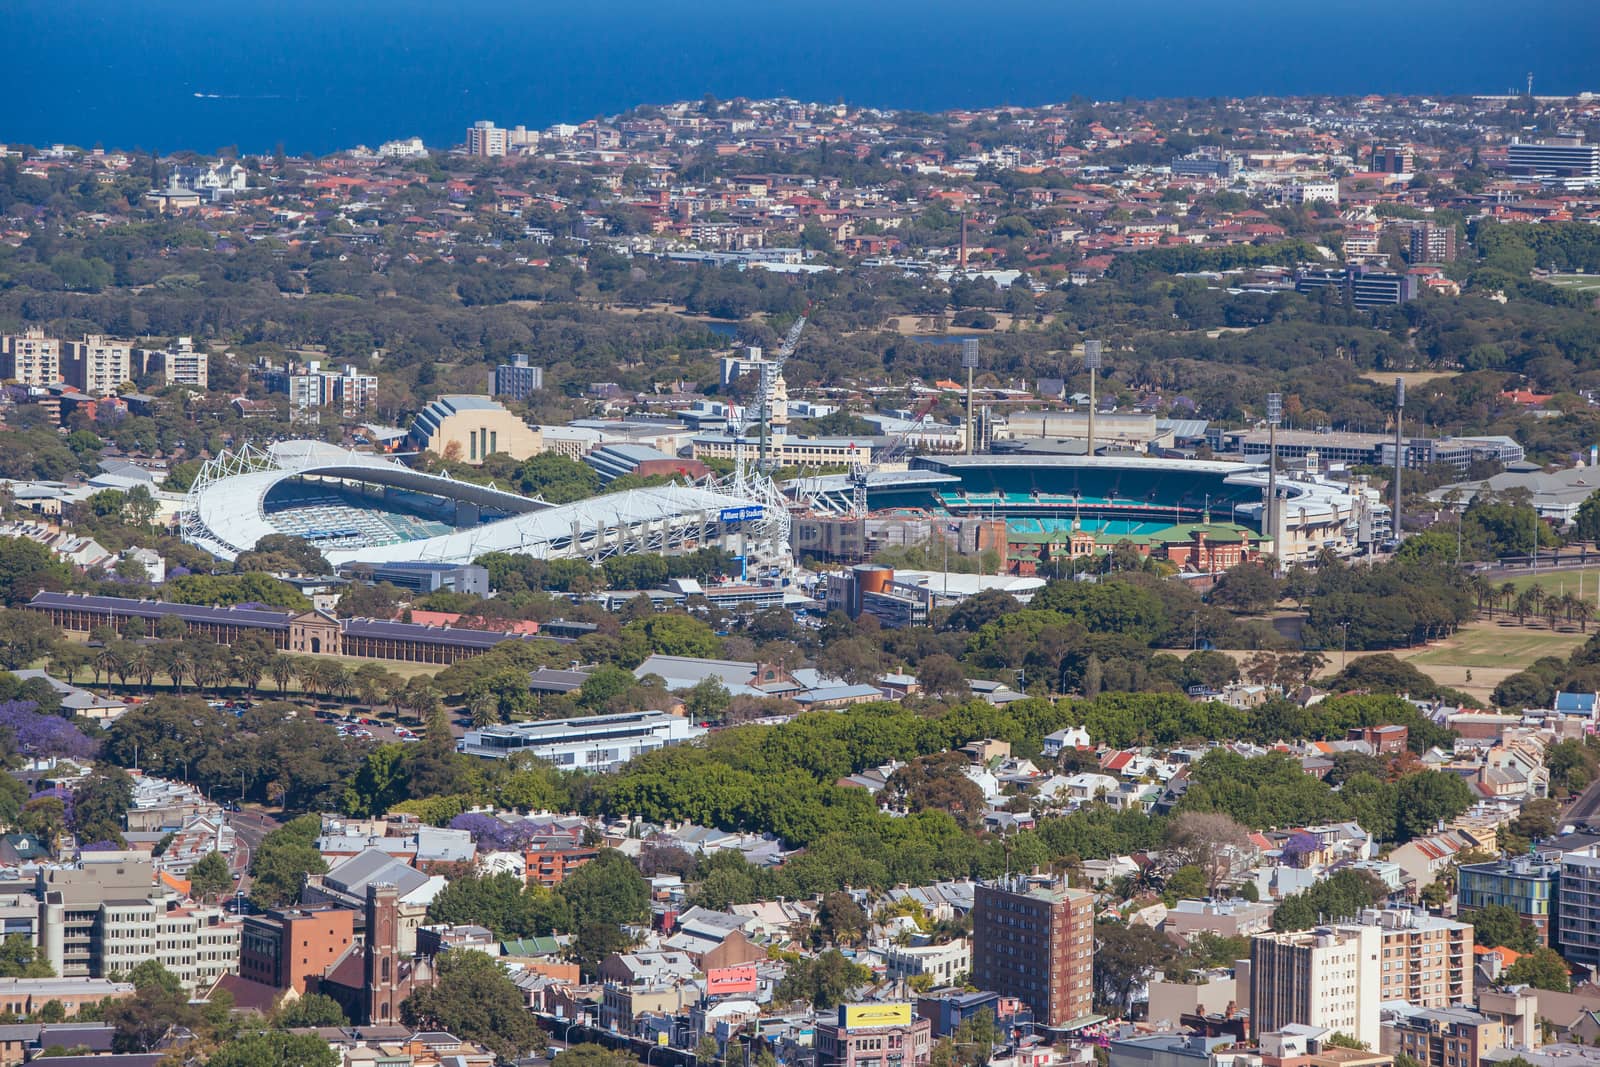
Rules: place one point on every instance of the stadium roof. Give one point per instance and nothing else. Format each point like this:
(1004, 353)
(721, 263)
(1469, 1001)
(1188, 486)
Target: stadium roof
(227, 512)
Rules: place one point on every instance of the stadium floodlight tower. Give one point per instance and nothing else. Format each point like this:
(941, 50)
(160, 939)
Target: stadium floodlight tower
(1274, 416)
(969, 362)
(1399, 452)
(1091, 362)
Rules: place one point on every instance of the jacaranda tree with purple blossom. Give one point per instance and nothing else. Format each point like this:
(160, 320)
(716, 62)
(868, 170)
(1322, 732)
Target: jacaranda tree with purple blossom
(34, 734)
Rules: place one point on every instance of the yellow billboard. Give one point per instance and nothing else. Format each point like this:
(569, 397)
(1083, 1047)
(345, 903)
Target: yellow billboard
(854, 1015)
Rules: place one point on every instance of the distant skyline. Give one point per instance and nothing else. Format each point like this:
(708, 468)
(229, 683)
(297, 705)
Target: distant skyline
(320, 76)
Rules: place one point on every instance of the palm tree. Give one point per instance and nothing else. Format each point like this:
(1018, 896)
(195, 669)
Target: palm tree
(1552, 611)
(282, 670)
(1508, 593)
(1584, 611)
(1524, 606)
(106, 661)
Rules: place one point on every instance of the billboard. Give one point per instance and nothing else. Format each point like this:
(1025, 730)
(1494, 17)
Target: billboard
(855, 1015)
(726, 981)
(752, 511)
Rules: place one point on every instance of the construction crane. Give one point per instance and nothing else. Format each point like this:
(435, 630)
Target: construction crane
(761, 407)
(861, 470)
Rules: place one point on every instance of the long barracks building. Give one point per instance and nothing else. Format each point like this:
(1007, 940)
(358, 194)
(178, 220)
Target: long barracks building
(305, 633)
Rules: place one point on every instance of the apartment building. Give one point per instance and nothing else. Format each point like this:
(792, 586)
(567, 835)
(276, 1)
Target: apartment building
(181, 364)
(943, 963)
(485, 139)
(1578, 906)
(518, 379)
(1525, 884)
(30, 358)
(1327, 977)
(198, 944)
(1442, 1037)
(1432, 243)
(1033, 939)
(1300, 193)
(1427, 960)
(97, 365)
(1393, 159)
(310, 388)
(124, 935)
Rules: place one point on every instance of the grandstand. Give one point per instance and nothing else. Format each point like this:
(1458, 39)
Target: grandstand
(361, 508)
(333, 515)
(1115, 497)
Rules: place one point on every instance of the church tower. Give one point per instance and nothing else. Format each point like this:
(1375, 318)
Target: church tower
(381, 959)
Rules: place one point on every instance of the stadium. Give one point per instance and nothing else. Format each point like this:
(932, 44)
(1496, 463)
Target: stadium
(1112, 497)
(360, 508)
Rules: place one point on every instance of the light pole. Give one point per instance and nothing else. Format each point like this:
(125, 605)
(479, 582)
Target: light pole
(1399, 451)
(969, 363)
(1091, 363)
(1274, 416)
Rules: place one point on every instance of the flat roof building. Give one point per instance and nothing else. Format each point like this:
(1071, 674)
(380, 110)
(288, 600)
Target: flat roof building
(1033, 938)
(591, 743)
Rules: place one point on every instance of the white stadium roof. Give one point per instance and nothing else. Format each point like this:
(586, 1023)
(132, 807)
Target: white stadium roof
(225, 513)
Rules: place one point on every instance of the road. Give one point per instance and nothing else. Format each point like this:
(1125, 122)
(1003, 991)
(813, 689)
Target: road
(250, 826)
(1585, 806)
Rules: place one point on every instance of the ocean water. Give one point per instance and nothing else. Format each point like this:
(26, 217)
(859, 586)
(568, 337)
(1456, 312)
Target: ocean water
(318, 75)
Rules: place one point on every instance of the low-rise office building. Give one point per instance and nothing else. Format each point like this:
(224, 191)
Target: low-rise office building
(591, 743)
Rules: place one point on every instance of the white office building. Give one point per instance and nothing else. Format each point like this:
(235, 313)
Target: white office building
(1326, 977)
(593, 743)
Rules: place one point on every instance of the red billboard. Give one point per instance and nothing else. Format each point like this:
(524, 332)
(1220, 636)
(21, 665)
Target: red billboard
(728, 981)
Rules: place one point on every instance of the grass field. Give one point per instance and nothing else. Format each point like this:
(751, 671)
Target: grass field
(1585, 581)
(1490, 650)
(1585, 282)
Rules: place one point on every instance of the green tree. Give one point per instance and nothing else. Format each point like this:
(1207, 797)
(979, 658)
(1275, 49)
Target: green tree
(282, 861)
(1587, 519)
(210, 877)
(25, 638)
(824, 980)
(608, 891)
(475, 999)
(1429, 798)
(26, 567)
(503, 904)
(1497, 924)
(19, 959)
(275, 1049)
(100, 804)
(1125, 957)
(313, 1009)
(1543, 968)
(382, 782)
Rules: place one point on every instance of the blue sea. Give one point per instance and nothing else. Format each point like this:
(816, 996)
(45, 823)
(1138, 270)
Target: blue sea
(319, 75)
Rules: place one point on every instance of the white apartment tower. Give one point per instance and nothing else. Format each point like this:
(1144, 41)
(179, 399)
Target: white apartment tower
(99, 365)
(181, 364)
(1324, 977)
(486, 139)
(30, 358)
